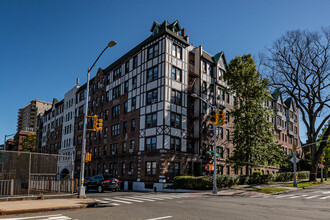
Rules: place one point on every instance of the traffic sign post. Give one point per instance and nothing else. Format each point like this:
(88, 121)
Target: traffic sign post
(294, 160)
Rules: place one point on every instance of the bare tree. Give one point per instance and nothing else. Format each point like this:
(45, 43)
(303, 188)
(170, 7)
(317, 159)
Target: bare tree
(298, 64)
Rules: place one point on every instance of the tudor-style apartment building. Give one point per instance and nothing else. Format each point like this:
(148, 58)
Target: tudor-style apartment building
(154, 129)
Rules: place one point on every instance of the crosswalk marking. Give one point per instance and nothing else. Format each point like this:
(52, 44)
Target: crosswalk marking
(293, 197)
(125, 198)
(141, 198)
(310, 197)
(116, 200)
(325, 197)
(282, 196)
(150, 197)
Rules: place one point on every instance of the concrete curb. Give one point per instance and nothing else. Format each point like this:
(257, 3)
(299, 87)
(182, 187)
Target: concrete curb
(81, 206)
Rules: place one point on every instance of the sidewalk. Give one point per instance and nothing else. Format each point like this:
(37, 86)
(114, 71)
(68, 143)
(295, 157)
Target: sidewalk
(28, 206)
(245, 189)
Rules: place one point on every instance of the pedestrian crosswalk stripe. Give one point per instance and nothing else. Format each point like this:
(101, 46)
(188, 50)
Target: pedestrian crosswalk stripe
(100, 201)
(325, 197)
(132, 200)
(282, 196)
(116, 200)
(293, 197)
(310, 197)
(141, 198)
(150, 197)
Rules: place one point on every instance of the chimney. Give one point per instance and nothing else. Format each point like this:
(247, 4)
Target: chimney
(183, 32)
(77, 82)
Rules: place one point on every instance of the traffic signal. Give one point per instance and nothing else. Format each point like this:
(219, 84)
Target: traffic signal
(322, 159)
(88, 157)
(98, 123)
(294, 148)
(213, 117)
(221, 118)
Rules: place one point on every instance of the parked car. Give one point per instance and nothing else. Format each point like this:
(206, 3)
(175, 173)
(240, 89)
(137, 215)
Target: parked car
(103, 182)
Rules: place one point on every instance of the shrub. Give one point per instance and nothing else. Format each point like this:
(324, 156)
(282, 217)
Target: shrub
(206, 182)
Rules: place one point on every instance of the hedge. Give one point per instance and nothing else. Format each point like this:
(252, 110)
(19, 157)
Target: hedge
(206, 182)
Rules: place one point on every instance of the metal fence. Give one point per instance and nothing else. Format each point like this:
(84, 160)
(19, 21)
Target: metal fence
(25, 173)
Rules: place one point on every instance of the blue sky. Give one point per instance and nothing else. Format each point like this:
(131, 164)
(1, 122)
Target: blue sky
(45, 45)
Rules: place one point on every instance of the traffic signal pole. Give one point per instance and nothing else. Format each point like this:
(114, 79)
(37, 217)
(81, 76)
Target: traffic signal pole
(294, 169)
(215, 190)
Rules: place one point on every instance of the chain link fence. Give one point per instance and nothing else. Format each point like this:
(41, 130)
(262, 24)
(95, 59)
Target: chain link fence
(27, 173)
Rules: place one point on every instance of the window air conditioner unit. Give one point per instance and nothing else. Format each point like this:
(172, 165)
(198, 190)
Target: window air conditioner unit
(131, 150)
(113, 152)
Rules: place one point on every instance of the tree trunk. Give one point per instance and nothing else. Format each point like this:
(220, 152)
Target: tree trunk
(313, 173)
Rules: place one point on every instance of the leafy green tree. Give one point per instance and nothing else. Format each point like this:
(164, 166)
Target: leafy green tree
(29, 143)
(252, 137)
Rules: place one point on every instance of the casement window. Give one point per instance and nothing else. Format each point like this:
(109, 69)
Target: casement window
(152, 74)
(124, 147)
(151, 120)
(132, 124)
(105, 132)
(210, 70)
(114, 149)
(204, 87)
(177, 51)
(219, 132)
(116, 92)
(176, 97)
(152, 96)
(204, 65)
(228, 152)
(135, 62)
(134, 82)
(126, 87)
(175, 120)
(125, 106)
(175, 143)
(220, 151)
(132, 146)
(227, 98)
(151, 168)
(151, 143)
(117, 73)
(204, 107)
(153, 51)
(220, 74)
(115, 111)
(113, 169)
(131, 168)
(211, 88)
(115, 130)
(227, 134)
(126, 67)
(123, 166)
(174, 169)
(133, 103)
(124, 127)
(107, 96)
(106, 115)
(176, 74)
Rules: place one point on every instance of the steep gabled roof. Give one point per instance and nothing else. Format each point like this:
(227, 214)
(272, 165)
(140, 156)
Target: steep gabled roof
(276, 94)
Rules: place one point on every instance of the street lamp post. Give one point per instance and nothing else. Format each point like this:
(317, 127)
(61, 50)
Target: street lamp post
(214, 190)
(83, 150)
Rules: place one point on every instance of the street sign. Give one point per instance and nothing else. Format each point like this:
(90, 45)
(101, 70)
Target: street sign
(3, 157)
(289, 155)
(211, 152)
(292, 159)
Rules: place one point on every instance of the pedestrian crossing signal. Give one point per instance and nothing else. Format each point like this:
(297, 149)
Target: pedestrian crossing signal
(294, 148)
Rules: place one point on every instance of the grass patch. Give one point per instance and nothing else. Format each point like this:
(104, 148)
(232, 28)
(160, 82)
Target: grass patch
(304, 184)
(268, 190)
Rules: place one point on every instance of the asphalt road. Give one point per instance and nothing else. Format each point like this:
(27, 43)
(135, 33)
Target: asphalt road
(302, 204)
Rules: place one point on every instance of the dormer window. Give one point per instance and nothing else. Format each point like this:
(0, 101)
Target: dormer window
(155, 31)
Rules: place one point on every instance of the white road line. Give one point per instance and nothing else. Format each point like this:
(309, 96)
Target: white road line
(100, 201)
(59, 217)
(256, 196)
(34, 217)
(293, 197)
(327, 192)
(115, 200)
(282, 196)
(325, 197)
(160, 218)
(150, 197)
(150, 200)
(124, 198)
(312, 197)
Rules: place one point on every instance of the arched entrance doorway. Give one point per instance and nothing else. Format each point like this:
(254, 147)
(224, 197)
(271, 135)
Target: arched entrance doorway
(65, 174)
